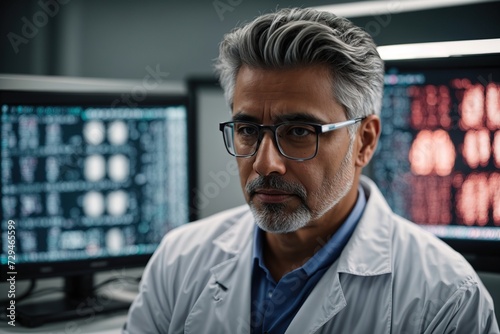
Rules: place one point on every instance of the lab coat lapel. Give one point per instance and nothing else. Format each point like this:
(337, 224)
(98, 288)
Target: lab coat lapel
(368, 253)
(224, 304)
(322, 304)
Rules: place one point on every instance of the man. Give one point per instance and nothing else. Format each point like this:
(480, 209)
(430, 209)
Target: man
(317, 249)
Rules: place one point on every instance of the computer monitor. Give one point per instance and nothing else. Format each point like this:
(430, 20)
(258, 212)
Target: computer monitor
(438, 159)
(90, 182)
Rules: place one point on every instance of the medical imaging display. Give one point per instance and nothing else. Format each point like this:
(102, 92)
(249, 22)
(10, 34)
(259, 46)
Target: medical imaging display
(92, 181)
(438, 159)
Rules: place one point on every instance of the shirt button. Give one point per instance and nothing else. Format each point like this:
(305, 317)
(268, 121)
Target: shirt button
(270, 294)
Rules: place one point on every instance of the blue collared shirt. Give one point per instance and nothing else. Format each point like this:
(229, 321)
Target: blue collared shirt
(275, 304)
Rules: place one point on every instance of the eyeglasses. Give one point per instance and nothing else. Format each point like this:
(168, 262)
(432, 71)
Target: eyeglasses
(295, 140)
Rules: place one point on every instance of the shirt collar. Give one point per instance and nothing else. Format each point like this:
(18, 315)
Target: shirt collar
(258, 251)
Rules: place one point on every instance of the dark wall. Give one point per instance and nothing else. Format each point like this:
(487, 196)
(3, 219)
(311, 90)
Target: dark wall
(477, 21)
(121, 38)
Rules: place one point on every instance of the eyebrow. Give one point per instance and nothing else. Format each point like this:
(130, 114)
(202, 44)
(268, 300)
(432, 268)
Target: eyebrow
(294, 117)
(242, 117)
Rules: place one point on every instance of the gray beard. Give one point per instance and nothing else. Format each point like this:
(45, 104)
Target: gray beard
(273, 218)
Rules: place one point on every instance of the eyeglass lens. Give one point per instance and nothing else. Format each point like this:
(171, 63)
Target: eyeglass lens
(295, 140)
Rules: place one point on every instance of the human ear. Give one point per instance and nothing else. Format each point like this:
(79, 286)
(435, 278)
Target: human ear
(367, 139)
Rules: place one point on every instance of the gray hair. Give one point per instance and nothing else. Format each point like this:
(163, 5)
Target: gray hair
(299, 37)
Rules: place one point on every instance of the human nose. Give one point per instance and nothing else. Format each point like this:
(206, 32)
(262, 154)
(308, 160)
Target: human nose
(268, 159)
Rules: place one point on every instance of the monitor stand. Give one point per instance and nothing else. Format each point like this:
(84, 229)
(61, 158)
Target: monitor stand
(79, 302)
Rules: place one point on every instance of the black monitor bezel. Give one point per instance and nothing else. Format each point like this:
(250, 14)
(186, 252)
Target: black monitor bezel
(100, 98)
(483, 255)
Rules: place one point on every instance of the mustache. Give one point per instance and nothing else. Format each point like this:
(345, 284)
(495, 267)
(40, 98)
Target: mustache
(276, 182)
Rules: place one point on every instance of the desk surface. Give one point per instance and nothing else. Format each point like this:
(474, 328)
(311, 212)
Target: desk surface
(107, 323)
(100, 324)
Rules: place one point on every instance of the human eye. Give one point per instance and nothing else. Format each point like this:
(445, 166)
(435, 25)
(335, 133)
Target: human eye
(246, 130)
(299, 131)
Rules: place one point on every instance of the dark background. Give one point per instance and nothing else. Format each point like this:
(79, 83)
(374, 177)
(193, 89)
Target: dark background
(120, 38)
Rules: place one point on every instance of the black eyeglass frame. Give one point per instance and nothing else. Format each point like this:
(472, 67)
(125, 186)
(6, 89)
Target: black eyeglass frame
(319, 128)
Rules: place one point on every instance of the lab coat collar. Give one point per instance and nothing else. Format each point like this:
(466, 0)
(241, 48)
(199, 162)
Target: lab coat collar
(369, 251)
(228, 288)
(236, 237)
(233, 241)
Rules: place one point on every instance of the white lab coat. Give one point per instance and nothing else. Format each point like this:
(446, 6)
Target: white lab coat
(392, 277)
